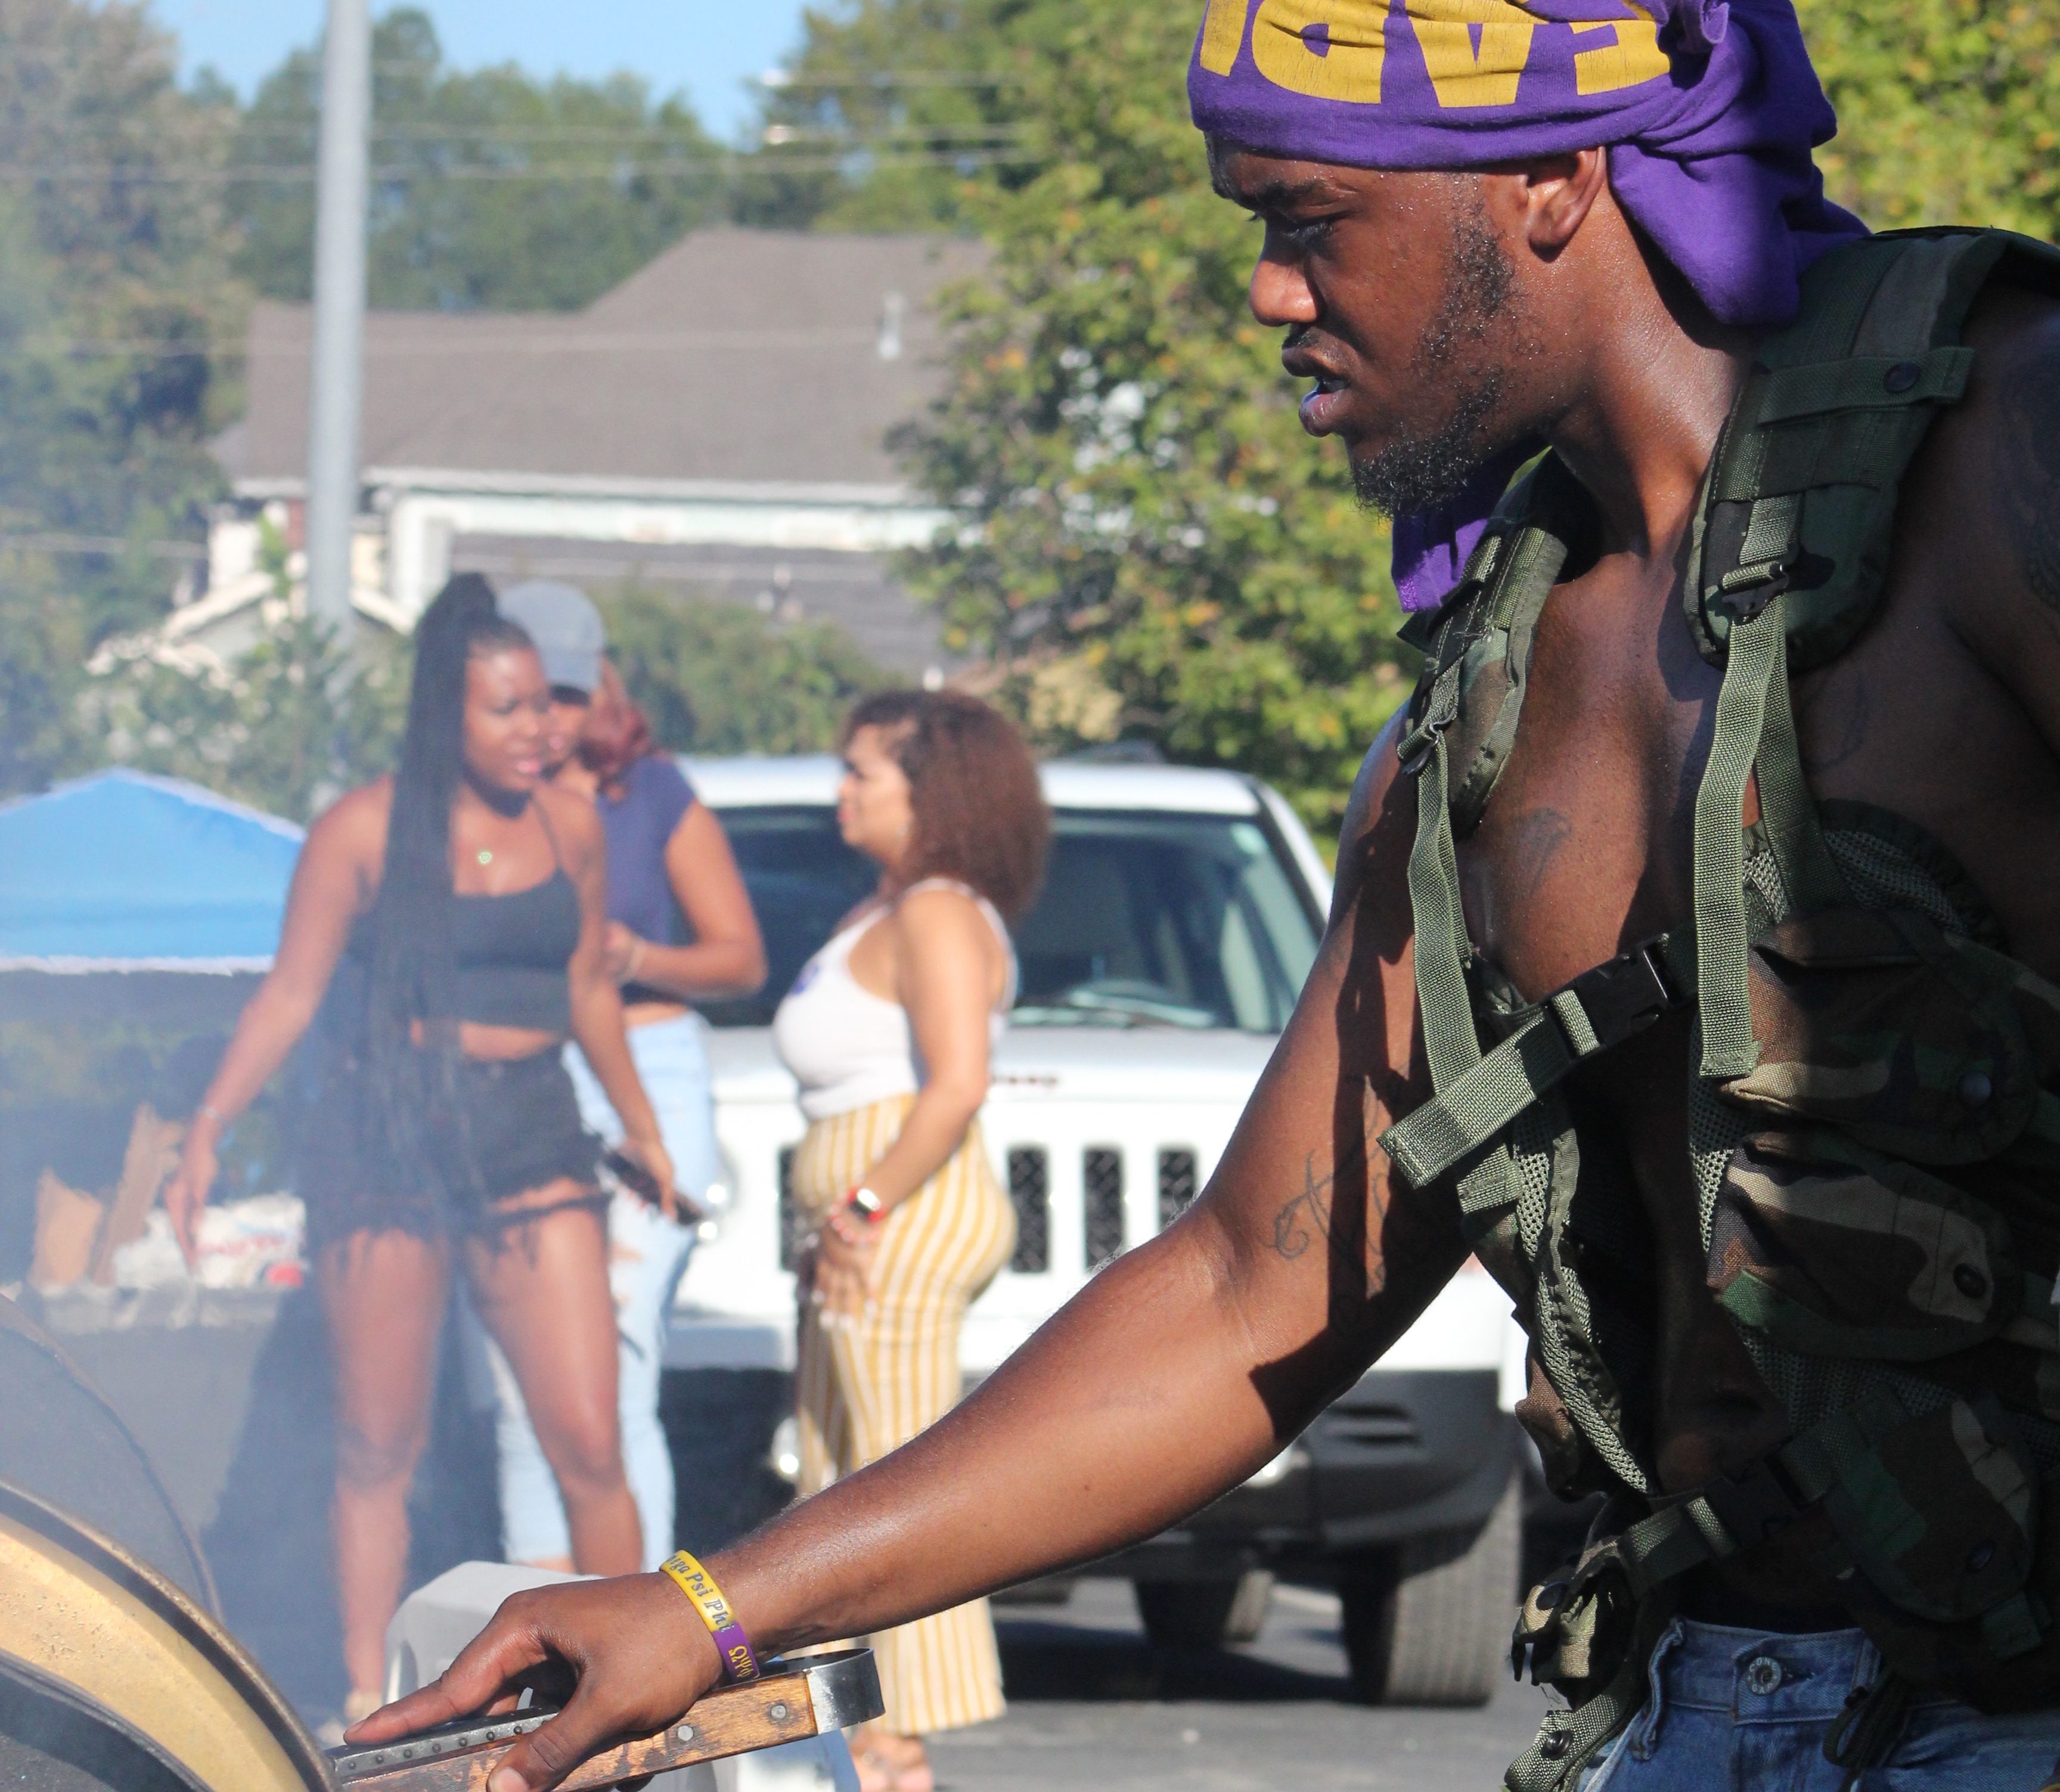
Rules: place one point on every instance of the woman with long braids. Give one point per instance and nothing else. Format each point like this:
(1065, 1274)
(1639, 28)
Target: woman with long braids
(453, 916)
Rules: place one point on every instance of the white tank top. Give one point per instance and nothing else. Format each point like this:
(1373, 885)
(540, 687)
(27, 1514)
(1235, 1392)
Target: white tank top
(848, 1047)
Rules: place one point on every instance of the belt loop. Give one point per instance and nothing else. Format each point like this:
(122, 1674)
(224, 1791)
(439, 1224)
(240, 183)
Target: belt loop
(1867, 1663)
(1643, 1736)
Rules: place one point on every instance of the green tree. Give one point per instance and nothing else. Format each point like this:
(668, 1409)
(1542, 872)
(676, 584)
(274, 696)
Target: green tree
(42, 649)
(1156, 550)
(291, 725)
(294, 724)
(1949, 110)
(897, 115)
(715, 677)
(490, 189)
(113, 289)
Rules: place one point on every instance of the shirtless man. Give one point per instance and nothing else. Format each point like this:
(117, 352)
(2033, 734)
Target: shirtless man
(1539, 289)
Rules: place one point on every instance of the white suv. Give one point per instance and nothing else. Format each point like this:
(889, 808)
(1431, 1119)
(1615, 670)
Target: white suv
(1179, 916)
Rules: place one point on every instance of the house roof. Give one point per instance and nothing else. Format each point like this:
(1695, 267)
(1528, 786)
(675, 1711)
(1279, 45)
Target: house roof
(737, 355)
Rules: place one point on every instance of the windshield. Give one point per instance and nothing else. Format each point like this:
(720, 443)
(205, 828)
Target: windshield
(1145, 920)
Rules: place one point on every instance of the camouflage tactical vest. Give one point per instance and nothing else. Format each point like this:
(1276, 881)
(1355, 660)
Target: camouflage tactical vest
(1874, 1113)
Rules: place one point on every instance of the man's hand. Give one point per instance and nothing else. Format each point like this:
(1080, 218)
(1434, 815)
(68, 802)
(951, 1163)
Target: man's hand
(639, 1651)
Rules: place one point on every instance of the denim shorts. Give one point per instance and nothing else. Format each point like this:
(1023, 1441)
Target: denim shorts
(516, 1127)
(1733, 1711)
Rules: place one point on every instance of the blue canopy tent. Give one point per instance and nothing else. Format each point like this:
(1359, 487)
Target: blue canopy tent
(137, 916)
(122, 872)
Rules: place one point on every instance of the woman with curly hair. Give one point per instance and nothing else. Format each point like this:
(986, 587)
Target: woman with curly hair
(889, 1030)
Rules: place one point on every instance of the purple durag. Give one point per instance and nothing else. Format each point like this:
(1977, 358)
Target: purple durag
(1709, 110)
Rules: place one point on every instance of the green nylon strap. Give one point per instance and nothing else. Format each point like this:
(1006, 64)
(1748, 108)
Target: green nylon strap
(1450, 1043)
(1439, 710)
(1568, 1740)
(1864, 382)
(1770, 533)
(1476, 1105)
(1451, 1046)
(1787, 812)
(1673, 1540)
(1758, 653)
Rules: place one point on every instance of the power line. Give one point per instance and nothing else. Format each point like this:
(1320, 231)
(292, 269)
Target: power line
(497, 134)
(775, 79)
(780, 80)
(654, 134)
(296, 174)
(444, 345)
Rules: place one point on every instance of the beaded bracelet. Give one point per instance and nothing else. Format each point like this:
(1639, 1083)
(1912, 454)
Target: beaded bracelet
(739, 1664)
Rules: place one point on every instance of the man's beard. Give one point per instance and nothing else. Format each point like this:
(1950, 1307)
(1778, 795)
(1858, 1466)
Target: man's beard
(1417, 472)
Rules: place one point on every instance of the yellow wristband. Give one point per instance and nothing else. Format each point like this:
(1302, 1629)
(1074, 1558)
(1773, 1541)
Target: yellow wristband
(738, 1662)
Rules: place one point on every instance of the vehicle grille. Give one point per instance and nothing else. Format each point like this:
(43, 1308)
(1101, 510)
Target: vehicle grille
(1373, 1427)
(1176, 1183)
(793, 1223)
(1030, 1193)
(1101, 1183)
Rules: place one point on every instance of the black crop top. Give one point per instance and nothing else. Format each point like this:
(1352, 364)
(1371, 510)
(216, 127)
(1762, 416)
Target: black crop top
(514, 952)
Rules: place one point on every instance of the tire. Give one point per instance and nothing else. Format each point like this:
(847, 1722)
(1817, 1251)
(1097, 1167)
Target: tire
(1430, 1626)
(1203, 1613)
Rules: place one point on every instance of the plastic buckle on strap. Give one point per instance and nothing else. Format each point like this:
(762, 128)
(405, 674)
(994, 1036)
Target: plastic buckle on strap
(1625, 996)
(1749, 590)
(1417, 744)
(1441, 709)
(1751, 1503)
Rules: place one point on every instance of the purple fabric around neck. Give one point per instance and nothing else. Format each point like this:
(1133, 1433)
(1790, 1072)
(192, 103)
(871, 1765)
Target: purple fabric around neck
(1710, 109)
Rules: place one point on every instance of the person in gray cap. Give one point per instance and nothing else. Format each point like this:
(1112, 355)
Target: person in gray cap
(570, 638)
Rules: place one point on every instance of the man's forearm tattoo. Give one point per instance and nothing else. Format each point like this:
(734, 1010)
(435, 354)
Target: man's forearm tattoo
(1306, 1216)
(2027, 473)
(1351, 1235)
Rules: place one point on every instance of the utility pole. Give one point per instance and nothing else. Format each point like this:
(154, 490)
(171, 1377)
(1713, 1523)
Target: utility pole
(335, 397)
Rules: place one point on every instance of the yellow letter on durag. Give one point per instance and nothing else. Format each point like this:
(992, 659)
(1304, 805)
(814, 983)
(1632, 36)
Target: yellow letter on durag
(1348, 68)
(1461, 75)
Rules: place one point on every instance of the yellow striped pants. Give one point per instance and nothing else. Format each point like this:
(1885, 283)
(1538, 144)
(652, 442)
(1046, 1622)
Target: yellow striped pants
(866, 1386)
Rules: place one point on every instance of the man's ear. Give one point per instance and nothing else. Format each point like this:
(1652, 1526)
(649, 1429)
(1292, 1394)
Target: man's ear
(1560, 192)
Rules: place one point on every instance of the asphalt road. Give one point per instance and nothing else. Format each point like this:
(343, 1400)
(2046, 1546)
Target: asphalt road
(1093, 1706)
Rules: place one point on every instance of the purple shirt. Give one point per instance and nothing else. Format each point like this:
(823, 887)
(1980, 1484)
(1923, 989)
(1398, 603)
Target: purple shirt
(639, 825)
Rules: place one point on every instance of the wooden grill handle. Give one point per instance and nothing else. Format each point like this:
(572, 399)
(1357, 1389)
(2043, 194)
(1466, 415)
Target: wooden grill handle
(810, 1696)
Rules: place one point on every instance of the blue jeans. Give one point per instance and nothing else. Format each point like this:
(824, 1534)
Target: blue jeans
(1746, 1711)
(647, 1254)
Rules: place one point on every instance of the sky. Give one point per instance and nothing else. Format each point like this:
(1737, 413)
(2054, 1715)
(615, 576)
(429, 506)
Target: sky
(709, 47)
